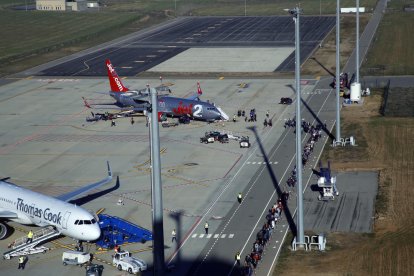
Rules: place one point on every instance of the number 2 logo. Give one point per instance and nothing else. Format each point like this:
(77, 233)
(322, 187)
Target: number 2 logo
(198, 108)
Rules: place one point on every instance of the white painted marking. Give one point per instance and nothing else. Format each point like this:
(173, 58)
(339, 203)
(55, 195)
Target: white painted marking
(223, 236)
(248, 162)
(151, 56)
(258, 163)
(208, 236)
(126, 67)
(171, 46)
(201, 236)
(231, 236)
(193, 236)
(253, 163)
(216, 236)
(139, 61)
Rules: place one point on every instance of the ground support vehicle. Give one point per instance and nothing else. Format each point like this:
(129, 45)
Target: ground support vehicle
(124, 261)
(169, 124)
(244, 142)
(285, 101)
(75, 258)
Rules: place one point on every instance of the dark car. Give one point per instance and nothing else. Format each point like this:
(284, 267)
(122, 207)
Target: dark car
(223, 138)
(94, 270)
(286, 101)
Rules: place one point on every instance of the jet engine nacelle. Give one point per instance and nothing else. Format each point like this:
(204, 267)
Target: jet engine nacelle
(4, 229)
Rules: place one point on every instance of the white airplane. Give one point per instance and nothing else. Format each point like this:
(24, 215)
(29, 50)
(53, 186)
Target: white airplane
(28, 207)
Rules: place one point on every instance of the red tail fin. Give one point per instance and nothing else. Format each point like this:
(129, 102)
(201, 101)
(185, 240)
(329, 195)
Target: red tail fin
(86, 102)
(114, 80)
(199, 92)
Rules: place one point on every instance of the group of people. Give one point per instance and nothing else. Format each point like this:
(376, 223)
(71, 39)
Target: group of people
(262, 237)
(315, 134)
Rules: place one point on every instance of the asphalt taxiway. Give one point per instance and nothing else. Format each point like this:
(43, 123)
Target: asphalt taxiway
(47, 146)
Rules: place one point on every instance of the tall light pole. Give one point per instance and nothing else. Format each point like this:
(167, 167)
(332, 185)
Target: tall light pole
(157, 217)
(300, 235)
(245, 8)
(357, 42)
(338, 119)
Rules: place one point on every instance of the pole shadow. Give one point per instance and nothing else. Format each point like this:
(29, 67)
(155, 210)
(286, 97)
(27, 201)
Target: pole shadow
(323, 66)
(275, 181)
(176, 216)
(324, 128)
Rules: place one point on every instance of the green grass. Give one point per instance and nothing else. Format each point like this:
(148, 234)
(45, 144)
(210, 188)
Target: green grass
(34, 32)
(263, 7)
(392, 51)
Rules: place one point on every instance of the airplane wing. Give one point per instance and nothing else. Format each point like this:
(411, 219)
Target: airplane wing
(71, 195)
(7, 214)
(194, 97)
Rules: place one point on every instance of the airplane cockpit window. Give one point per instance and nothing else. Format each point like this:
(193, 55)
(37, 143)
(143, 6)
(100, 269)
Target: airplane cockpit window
(87, 222)
(80, 222)
(93, 221)
(76, 222)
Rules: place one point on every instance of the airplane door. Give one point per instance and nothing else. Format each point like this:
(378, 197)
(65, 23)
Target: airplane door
(65, 219)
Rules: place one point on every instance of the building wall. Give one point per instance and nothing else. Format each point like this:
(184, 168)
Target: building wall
(51, 5)
(60, 5)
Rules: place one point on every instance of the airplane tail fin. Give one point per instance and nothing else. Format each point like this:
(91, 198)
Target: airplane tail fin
(199, 91)
(85, 102)
(114, 80)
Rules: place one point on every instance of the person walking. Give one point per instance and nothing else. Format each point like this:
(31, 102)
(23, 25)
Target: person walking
(206, 227)
(29, 237)
(173, 236)
(239, 197)
(237, 257)
(21, 262)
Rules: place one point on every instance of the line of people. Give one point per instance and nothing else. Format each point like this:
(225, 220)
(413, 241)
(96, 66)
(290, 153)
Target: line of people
(315, 134)
(274, 215)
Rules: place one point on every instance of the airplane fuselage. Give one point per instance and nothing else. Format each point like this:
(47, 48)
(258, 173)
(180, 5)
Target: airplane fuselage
(171, 106)
(31, 207)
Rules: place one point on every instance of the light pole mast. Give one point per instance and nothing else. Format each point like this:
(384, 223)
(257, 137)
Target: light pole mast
(357, 42)
(300, 235)
(157, 216)
(337, 85)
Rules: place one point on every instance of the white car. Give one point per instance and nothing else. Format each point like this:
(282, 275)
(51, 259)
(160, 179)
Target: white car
(124, 261)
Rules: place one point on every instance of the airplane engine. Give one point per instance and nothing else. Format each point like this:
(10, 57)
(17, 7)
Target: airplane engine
(4, 229)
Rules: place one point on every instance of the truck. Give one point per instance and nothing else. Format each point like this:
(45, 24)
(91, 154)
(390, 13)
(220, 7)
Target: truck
(123, 261)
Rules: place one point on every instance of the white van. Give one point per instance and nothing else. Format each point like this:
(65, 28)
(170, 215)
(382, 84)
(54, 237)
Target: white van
(75, 258)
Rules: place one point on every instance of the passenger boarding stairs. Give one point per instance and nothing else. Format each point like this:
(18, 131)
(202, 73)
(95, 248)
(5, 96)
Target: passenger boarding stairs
(327, 183)
(21, 247)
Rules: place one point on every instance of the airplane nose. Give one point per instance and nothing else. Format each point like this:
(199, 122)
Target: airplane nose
(93, 234)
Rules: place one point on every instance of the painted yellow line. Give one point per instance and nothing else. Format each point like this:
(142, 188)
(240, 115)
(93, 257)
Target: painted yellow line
(100, 211)
(221, 78)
